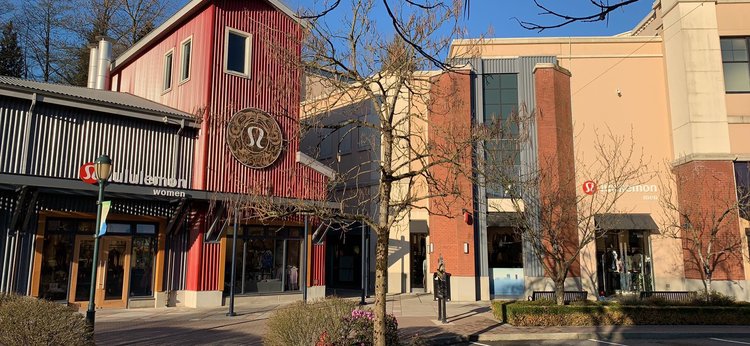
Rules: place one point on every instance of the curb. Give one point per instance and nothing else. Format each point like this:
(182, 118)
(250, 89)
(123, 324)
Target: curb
(614, 336)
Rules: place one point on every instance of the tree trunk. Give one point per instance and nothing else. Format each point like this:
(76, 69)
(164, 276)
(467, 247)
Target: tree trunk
(381, 285)
(560, 291)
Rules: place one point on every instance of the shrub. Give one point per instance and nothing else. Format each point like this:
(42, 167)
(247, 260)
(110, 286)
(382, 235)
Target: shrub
(362, 328)
(303, 324)
(524, 314)
(713, 298)
(39, 322)
(332, 321)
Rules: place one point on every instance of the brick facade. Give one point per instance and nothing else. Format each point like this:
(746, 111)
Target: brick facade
(705, 190)
(450, 113)
(556, 158)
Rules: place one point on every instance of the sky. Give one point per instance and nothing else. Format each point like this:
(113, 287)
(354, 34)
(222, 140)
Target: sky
(496, 17)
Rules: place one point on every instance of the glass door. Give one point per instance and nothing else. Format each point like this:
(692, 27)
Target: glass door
(112, 275)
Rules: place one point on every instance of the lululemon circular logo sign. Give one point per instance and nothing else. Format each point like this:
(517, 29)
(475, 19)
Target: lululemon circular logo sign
(589, 187)
(254, 138)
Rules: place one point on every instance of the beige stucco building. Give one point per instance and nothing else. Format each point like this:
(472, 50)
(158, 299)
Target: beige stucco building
(676, 88)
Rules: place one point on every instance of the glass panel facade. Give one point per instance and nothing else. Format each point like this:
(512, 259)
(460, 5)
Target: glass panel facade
(503, 155)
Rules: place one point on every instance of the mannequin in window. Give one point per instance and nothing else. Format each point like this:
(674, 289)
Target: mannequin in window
(293, 273)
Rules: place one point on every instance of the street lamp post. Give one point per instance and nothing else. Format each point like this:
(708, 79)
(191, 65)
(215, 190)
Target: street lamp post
(103, 168)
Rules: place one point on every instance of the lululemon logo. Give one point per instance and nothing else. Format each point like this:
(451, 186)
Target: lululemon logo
(252, 141)
(589, 187)
(254, 138)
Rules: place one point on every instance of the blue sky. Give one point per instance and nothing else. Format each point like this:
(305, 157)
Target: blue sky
(498, 14)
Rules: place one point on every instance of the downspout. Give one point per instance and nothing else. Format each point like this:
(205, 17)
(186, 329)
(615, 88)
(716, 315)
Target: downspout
(27, 136)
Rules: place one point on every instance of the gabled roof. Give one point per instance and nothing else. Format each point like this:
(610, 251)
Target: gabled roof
(93, 99)
(185, 12)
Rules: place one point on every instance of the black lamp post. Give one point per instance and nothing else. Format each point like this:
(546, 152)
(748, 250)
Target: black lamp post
(103, 168)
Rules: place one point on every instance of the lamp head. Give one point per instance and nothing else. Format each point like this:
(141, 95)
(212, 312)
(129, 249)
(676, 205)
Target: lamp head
(103, 167)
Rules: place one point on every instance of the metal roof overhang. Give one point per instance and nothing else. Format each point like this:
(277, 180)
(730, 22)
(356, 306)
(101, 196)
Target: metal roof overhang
(626, 222)
(126, 191)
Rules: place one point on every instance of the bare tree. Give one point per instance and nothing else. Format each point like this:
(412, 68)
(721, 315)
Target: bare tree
(597, 11)
(45, 36)
(139, 17)
(706, 225)
(371, 125)
(551, 213)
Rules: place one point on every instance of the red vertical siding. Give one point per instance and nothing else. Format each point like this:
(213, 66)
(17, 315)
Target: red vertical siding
(318, 265)
(143, 76)
(211, 267)
(274, 86)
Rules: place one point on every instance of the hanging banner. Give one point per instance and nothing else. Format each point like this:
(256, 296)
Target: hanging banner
(103, 222)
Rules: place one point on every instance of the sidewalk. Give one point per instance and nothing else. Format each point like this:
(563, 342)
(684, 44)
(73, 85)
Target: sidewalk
(416, 315)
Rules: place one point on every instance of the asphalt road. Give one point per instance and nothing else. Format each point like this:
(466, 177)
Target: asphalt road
(640, 342)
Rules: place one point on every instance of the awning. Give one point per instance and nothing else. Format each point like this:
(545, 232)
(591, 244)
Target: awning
(418, 227)
(502, 219)
(626, 222)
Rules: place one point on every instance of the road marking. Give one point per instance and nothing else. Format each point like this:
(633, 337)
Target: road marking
(476, 343)
(730, 341)
(608, 343)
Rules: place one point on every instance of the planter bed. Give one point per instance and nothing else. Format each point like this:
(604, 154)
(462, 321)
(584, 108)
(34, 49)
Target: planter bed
(599, 314)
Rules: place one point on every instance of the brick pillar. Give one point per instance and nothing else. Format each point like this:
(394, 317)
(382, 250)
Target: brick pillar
(450, 124)
(556, 158)
(705, 190)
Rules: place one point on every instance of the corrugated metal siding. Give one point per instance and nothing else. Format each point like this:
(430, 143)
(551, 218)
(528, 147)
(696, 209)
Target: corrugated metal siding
(63, 139)
(176, 253)
(210, 267)
(274, 87)
(12, 122)
(144, 75)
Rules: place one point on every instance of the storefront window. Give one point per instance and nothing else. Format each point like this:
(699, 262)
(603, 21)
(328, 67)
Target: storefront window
(624, 262)
(267, 260)
(56, 258)
(505, 251)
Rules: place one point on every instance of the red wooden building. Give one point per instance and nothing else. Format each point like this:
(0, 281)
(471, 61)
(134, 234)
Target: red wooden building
(214, 59)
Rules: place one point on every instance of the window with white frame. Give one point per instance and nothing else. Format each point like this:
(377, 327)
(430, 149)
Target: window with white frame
(237, 52)
(186, 49)
(736, 62)
(168, 58)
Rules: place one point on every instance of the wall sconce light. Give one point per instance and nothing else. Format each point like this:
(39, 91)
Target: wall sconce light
(466, 247)
(432, 247)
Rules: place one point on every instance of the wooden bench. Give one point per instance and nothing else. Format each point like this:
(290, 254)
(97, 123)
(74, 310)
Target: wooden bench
(569, 296)
(677, 296)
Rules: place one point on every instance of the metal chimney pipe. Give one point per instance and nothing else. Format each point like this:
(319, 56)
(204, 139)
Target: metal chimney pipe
(105, 59)
(93, 65)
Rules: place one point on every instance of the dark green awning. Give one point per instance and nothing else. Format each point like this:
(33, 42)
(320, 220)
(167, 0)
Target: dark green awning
(626, 222)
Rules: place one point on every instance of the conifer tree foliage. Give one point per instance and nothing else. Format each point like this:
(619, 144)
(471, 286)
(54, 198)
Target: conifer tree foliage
(11, 55)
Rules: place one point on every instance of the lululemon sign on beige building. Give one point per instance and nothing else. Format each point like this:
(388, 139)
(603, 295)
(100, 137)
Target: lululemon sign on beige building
(254, 138)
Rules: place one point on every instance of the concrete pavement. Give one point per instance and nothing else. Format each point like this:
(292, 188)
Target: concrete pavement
(416, 315)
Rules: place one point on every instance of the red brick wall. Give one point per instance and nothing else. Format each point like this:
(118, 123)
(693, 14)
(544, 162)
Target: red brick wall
(556, 157)
(705, 189)
(450, 123)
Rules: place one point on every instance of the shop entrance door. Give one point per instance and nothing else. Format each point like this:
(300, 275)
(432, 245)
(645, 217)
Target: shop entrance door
(418, 254)
(113, 272)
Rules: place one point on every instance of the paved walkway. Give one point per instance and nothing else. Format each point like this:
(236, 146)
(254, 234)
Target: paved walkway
(416, 315)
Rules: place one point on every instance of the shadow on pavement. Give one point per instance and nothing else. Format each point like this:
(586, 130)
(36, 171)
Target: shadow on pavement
(432, 335)
(174, 336)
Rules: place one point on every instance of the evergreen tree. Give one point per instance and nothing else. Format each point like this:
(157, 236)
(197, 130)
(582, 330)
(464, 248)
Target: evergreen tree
(11, 56)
